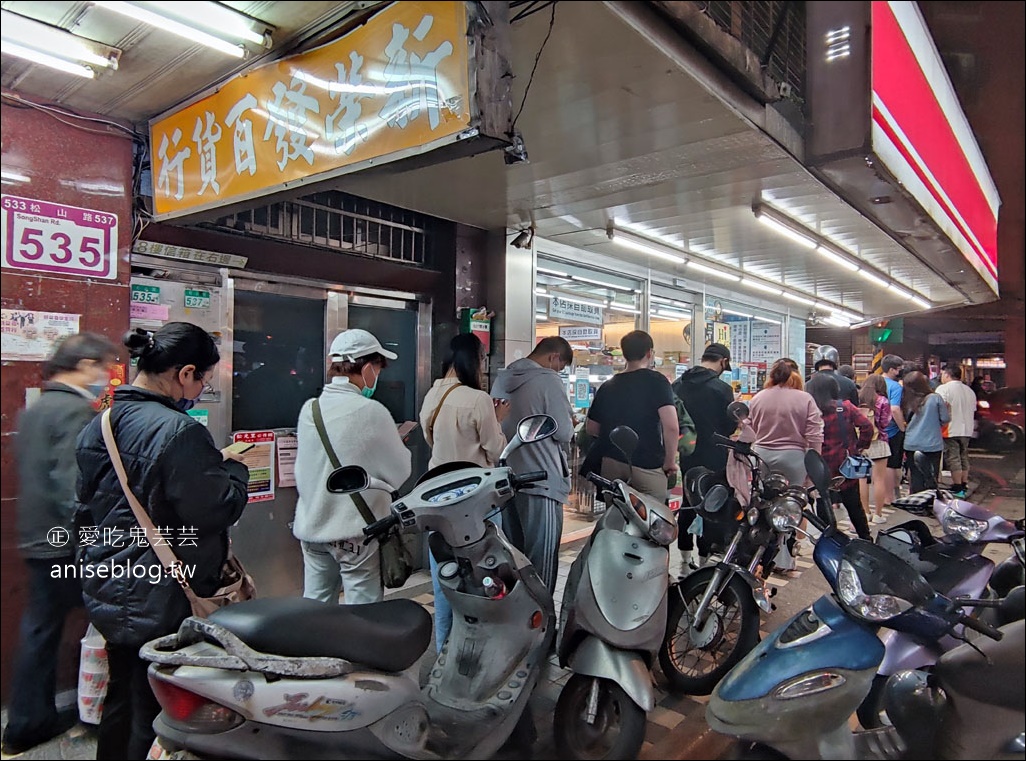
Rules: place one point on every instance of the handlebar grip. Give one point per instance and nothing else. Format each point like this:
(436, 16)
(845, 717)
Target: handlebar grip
(379, 527)
(598, 480)
(982, 627)
(523, 479)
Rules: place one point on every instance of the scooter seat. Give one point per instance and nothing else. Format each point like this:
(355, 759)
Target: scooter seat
(387, 636)
(990, 678)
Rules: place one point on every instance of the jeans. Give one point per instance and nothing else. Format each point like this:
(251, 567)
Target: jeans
(920, 480)
(126, 726)
(348, 566)
(32, 711)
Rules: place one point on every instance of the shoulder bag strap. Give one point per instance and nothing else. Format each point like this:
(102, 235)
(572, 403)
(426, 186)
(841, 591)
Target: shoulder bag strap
(434, 415)
(163, 551)
(357, 497)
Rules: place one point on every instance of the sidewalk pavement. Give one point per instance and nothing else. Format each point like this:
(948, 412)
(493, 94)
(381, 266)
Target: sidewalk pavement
(676, 727)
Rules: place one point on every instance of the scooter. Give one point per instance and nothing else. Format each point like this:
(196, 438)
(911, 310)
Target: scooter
(796, 691)
(613, 620)
(713, 614)
(297, 678)
(954, 565)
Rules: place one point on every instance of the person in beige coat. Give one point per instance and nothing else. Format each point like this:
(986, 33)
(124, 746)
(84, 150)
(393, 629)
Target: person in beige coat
(461, 423)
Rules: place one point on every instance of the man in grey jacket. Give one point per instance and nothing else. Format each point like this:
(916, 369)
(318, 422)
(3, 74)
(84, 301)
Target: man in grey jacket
(533, 387)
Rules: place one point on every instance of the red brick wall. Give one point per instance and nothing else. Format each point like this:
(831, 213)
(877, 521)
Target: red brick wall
(54, 155)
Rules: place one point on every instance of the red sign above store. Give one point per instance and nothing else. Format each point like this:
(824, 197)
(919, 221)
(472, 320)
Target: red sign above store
(922, 136)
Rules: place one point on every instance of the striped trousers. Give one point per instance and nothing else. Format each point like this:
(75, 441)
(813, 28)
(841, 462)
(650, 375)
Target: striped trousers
(536, 526)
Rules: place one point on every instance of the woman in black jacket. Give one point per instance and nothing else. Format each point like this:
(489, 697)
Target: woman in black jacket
(192, 492)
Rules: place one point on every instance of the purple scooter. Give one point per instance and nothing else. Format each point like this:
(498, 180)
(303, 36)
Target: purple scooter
(954, 565)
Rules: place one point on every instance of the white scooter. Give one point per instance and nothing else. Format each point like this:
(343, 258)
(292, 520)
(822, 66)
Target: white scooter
(297, 678)
(613, 622)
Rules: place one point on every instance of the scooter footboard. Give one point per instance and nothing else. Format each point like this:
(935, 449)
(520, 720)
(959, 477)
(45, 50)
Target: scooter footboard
(593, 657)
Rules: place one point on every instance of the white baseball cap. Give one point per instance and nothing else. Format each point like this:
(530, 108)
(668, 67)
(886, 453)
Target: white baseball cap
(350, 345)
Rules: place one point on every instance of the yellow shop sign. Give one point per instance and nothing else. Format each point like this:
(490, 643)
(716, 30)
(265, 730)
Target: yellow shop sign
(396, 86)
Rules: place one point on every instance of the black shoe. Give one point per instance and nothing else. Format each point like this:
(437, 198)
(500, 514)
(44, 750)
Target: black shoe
(14, 746)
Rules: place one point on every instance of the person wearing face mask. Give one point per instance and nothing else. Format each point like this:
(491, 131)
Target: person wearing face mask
(705, 396)
(191, 490)
(361, 432)
(73, 378)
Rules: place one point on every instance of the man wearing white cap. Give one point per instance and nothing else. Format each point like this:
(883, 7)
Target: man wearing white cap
(361, 432)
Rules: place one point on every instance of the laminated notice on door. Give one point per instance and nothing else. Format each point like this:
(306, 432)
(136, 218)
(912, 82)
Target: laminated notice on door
(260, 461)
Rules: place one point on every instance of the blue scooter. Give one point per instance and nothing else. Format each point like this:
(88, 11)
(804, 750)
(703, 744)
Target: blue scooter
(797, 690)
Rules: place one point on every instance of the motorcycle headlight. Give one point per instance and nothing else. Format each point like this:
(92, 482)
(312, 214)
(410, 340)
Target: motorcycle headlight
(809, 684)
(969, 529)
(873, 608)
(662, 532)
(785, 513)
(752, 516)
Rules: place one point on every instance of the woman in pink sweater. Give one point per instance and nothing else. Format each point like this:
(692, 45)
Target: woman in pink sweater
(787, 423)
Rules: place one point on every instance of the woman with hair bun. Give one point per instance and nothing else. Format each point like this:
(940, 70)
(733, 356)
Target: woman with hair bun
(190, 489)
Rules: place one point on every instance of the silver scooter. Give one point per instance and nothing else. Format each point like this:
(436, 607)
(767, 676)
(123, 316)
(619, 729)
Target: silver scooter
(297, 678)
(613, 622)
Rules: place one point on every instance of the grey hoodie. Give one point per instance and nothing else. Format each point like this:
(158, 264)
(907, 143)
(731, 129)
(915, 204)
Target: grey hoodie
(531, 390)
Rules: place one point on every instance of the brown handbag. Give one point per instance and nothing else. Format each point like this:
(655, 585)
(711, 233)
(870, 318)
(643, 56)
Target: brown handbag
(236, 584)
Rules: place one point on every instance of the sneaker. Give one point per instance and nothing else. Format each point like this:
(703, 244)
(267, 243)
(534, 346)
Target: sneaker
(879, 519)
(960, 494)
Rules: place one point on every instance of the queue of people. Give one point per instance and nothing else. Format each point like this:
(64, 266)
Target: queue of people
(182, 479)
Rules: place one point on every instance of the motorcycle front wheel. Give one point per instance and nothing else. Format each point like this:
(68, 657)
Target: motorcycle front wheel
(694, 661)
(617, 731)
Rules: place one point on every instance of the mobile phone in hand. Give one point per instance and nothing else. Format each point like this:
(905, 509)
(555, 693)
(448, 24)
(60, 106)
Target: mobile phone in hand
(239, 447)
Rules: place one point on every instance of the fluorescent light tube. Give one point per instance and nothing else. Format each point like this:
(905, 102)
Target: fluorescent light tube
(541, 292)
(874, 278)
(45, 59)
(900, 291)
(622, 240)
(786, 230)
(921, 302)
(55, 42)
(838, 258)
(619, 308)
(692, 264)
(601, 283)
(761, 286)
(800, 299)
(169, 24)
(555, 273)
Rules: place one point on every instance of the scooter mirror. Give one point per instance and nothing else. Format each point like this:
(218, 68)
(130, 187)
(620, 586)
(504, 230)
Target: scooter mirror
(624, 439)
(348, 479)
(715, 499)
(536, 427)
(738, 410)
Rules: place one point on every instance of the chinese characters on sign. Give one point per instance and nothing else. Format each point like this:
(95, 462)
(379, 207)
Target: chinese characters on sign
(260, 461)
(58, 240)
(33, 336)
(576, 333)
(560, 308)
(399, 83)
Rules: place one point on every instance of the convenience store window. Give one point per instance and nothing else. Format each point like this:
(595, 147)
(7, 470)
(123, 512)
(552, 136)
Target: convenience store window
(755, 341)
(592, 310)
(671, 321)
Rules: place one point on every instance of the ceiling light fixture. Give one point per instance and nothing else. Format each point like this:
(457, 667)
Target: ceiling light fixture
(900, 291)
(834, 255)
(921, 302)
(45, 59)
(782, 227)
(800, 299)
(751, 283)
(692, 264)
(181, 19)
(541, 292)
(602, 283)
(554, 273)
(642, 245)
(54, 47)
(874, 278)
(629, 310)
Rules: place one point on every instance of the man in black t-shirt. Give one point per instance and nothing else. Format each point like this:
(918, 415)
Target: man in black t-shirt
(641, 398)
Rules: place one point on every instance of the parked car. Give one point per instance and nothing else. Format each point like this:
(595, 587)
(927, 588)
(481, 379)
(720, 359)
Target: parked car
(1000, 417)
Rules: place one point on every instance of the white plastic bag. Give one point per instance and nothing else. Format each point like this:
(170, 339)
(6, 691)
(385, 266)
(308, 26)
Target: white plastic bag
(93, 674)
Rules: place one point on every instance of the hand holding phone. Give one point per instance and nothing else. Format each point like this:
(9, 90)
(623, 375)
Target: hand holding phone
(235, 451)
